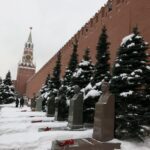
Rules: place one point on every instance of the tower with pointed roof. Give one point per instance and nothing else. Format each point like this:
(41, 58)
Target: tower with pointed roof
(26, 68)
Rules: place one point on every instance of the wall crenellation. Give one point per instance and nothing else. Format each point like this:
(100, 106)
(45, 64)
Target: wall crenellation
(103, 13)
(100, 15)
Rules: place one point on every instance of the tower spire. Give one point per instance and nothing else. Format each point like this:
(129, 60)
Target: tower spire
(30, 36)
(27, 58)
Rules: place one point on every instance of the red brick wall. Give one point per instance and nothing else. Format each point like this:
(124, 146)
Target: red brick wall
(119, 22)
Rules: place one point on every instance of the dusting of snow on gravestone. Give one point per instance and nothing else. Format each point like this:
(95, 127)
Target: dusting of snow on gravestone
(75, 119)
(51, 105)
(104, 115)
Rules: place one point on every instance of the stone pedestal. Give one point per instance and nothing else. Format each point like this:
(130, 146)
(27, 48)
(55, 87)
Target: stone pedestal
(85, 144)
(104, 119)
(75, 119)
(38, 104)
(61, 109)
(51, 106)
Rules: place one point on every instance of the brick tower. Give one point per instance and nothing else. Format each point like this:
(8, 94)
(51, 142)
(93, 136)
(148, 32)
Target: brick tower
(26, 68)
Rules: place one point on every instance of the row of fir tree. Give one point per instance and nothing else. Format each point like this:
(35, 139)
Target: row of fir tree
(129, 80)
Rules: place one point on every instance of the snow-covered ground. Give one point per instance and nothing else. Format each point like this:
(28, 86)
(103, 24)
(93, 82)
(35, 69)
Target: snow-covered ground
(17, 132)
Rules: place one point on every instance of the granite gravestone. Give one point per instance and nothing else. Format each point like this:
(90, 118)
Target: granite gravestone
(38, 103)
(33, 103)
(75, 119)
(51, 105)
(104, 115)
(61, 111)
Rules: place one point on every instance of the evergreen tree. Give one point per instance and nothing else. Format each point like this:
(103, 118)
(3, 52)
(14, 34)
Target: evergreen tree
(101, 72)
(71, 66)
(46, 87)
(83, 72)
(147, 92)
(1, 91)
(45, 91)
(70, 70)
(56, 82)
(128, 86)
(8, 92)
(102, 65)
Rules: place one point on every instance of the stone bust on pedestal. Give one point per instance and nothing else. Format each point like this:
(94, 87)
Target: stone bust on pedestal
(75, 119)
(61, 110)
(104, 115)
(51, 105)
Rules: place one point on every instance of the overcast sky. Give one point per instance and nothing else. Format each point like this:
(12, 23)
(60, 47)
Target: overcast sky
(54, 22)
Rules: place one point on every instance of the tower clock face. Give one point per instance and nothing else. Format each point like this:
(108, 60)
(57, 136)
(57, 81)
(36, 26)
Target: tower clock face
(28, 57)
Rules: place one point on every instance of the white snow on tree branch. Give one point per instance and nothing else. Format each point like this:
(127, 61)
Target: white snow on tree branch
(125, 94)
(127, 38)
(84, 63)
(148, 67)
(117, 65)
(131, 45)
(93, 93)
(77, 74)
(88, 87)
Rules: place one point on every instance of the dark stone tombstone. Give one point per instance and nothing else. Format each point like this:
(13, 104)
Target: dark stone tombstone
(38, 103)
(33, 103)
(104, 115)
(51, 105)
(75, 119)
(61, 111)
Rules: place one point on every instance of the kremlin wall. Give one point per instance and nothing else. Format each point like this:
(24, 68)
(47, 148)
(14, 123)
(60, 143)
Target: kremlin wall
(119, 16)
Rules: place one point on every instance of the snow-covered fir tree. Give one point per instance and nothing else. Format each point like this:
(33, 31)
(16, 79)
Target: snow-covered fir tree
(82, 77)
(46, 87)
(45, 91)
(56, 81)
(84, 71)
(8, 94)
(101, 72)
(71, 66)
(70, 70)
(52, 84)
(128, 85)
(1, 90)
(102, 66)
(147, 92)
